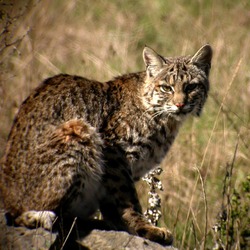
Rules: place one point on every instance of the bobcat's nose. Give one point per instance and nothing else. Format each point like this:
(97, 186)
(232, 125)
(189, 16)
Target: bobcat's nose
(179, 104)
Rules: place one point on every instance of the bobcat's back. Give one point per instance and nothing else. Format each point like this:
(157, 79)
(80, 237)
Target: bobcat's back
(38, 152)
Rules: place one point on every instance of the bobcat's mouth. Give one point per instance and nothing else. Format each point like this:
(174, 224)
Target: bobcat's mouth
(183, 110)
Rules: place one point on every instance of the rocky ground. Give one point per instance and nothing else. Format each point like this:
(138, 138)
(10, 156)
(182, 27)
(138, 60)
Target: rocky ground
(20, 238)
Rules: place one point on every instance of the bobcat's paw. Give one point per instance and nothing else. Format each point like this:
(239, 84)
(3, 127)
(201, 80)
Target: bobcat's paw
(33, 219)
(156, 234)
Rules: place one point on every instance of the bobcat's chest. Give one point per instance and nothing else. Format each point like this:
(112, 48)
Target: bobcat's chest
(153, 152)
(149, 161)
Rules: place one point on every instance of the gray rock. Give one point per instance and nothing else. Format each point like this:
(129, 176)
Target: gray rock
(21, 238)
(113, 240)
(16, 238)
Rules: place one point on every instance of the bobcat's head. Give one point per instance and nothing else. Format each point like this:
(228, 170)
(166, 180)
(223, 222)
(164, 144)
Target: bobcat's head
(176, 86)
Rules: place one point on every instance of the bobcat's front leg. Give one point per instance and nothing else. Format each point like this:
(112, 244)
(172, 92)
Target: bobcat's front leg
(137, 222)
(121, 206)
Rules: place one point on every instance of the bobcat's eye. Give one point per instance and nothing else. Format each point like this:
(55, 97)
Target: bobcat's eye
(166, 89)
(191, 87)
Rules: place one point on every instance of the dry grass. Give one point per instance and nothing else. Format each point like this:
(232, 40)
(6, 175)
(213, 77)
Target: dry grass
(100, 39)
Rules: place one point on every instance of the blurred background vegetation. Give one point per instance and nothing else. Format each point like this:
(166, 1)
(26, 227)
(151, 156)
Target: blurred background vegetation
(206, 175)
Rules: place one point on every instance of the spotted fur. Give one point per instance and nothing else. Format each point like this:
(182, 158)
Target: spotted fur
(77, 145)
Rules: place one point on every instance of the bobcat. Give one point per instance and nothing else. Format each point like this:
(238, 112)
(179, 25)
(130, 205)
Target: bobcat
(78, 145)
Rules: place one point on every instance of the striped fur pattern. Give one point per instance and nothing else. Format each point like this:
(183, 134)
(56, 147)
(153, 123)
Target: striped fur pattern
(77, 145)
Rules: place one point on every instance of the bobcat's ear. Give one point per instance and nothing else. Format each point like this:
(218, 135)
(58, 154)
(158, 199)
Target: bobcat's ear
(153, 61)
(203, 57)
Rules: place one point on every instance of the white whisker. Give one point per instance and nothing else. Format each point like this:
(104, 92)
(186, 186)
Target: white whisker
(158, 113)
